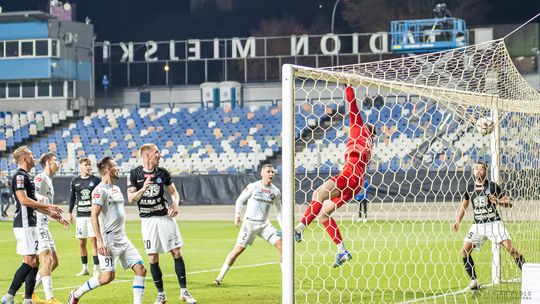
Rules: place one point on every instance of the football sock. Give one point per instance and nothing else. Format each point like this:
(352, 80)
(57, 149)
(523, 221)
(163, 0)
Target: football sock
(157, 276)
(18, 278)
(469, 267)
(138, 289)
(84, 260)
(333, 231)
(520, 260)
(92, 283)
(30, 283)
(180, 269)
(224, 268)
(47, 287)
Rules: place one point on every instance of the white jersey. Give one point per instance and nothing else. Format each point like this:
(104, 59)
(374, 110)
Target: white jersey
(112, 217)
(44, 189)
(259, 199)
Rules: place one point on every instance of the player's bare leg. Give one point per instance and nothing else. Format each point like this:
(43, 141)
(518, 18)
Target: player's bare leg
(520, 260)
(49, 262)
(229, 261)
(327, 190)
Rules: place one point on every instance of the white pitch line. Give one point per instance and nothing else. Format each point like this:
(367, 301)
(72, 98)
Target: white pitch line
(457, 292)
(171, 275)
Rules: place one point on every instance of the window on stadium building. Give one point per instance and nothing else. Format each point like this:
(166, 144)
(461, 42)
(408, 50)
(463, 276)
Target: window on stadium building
(54, 46)
(27, 48)
(57, 88)
(44, 89)
(42, 47)
(2, 90)
(71, 89)
(28, 89)
(12, 48)
(14, 90)
(30, 48)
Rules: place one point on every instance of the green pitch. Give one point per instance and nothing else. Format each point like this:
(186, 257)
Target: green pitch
(392, 262)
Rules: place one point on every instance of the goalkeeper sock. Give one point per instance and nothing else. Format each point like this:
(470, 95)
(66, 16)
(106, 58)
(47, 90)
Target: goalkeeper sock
(469, 267)
(311, 213)
(520, 260)
(333, 231)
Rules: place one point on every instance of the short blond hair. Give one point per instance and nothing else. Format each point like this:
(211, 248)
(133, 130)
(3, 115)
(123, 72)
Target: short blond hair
(145, 148)
(20, 153)
(84, 160)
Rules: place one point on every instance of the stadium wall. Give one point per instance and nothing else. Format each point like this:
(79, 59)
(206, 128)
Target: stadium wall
(409, 186)
(184, 96)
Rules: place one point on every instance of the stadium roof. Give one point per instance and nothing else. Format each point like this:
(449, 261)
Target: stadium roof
(25, 16)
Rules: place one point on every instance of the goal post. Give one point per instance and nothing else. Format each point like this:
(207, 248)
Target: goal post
(424, 109)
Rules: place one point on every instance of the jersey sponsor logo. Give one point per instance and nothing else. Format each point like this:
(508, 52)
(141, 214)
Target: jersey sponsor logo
(91, 184)
(149, 175)
(152, 191)
(480, 202)
(20, 181)
(38, 179)
(85, 194)
(266, 191)
(96, 195)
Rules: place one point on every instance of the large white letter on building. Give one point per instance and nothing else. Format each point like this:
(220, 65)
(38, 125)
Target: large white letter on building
(128, 52)
(194, 49)
(336, 44)
(151, 49)
(248, 49)
(301, 44)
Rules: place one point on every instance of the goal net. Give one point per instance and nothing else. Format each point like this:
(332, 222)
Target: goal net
(425, 109)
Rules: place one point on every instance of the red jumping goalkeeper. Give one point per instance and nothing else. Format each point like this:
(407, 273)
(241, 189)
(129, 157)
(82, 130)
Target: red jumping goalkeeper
(340, 188)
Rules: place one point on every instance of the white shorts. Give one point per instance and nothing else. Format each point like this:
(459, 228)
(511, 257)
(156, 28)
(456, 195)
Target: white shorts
(27, 240)
(479, 233)
(120, 249)
(160, 234)
(84, 228)
(45, 240)
(250, 229)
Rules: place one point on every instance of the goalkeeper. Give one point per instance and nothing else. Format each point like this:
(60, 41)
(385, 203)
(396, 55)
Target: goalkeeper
(339, 189)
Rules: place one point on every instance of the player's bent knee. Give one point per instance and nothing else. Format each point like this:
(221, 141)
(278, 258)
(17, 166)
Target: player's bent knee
(106, 277)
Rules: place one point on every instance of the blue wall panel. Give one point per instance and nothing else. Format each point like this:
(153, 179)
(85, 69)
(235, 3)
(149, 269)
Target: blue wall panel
(23, 30)
(35, 68)
(40, 68)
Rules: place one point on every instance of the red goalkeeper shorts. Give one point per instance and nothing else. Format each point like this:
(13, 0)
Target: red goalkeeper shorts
(349, 183)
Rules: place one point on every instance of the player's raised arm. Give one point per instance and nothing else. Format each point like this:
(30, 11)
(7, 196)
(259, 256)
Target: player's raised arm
(354, 112)
(240, 201)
